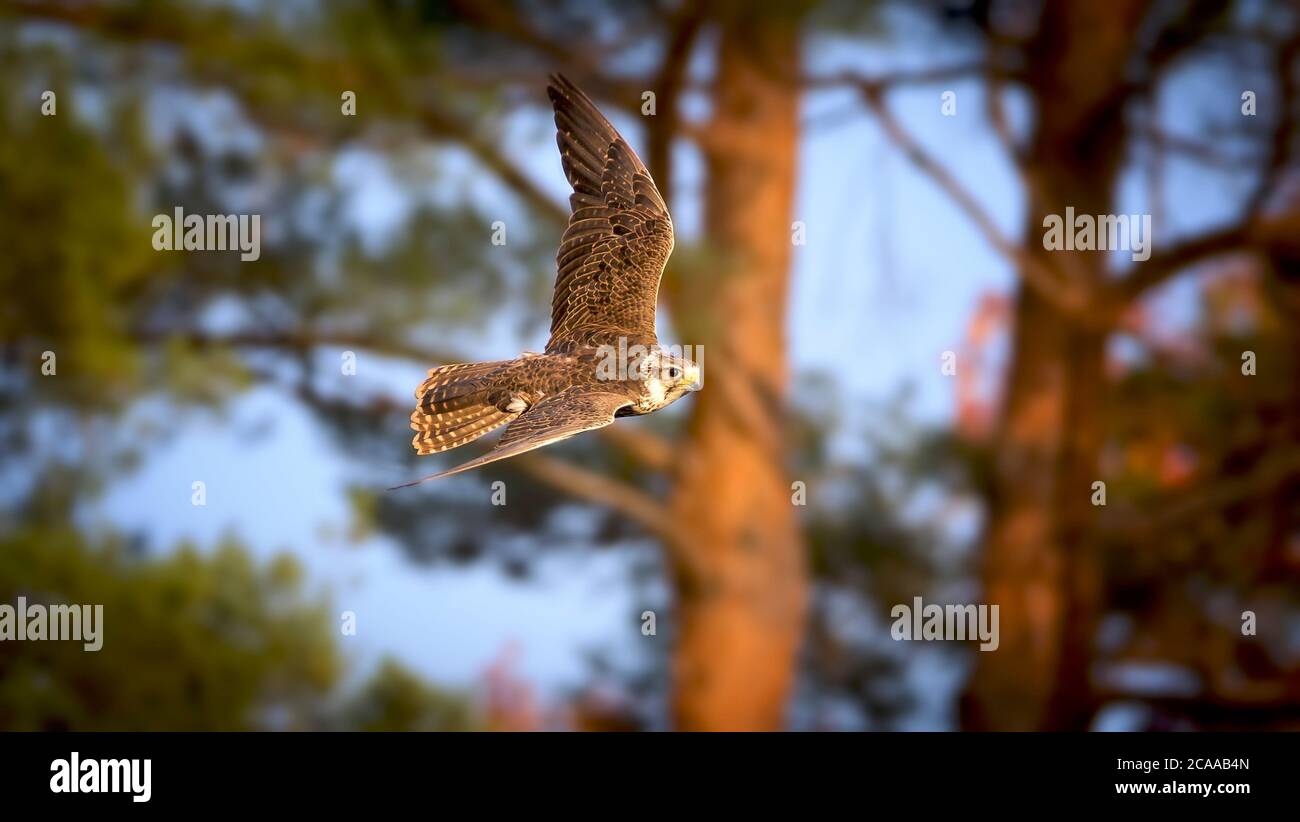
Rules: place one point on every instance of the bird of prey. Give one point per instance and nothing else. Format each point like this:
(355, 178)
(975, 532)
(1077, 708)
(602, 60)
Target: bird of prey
(609, 265)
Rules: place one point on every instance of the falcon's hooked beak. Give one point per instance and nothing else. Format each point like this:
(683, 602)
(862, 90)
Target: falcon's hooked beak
(691, 376)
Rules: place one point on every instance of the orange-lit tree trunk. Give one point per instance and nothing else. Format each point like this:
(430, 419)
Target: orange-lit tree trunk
(740, 580)
(1037, 564)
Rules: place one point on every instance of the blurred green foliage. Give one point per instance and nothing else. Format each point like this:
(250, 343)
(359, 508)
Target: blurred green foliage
(394, 699)
(191, 641)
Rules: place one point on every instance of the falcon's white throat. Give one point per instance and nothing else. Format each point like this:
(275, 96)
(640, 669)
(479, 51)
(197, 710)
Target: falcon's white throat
(658, 392)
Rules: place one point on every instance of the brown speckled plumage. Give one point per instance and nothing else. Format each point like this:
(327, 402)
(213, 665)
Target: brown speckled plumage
(609, 265)
(619, 236)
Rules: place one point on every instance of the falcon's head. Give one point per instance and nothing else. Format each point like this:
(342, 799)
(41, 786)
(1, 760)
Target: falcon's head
(667, 377)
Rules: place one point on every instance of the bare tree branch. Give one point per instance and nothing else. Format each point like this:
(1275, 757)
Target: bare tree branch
(509, 21)
(878, 83)
(684, 28)
(1030, 182)
(587, 65)
(1070, 298)
(446, 125)
(646, 448)
(1162, 265)
(599, 489)
(299, 340)
(1284, 128)
(1272, 471)
(1254, 223)
(1206, 153)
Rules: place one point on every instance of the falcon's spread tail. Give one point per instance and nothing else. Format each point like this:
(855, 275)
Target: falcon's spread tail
(571, 411)
(457, 404)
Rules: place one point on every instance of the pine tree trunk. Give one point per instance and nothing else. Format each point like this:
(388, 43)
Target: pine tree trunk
(1038, 565)
(741, 582)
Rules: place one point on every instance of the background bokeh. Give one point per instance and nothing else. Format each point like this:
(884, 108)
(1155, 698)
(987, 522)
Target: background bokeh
(859, 192)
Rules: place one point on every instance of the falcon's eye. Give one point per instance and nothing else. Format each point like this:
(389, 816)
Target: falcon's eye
(674, 373)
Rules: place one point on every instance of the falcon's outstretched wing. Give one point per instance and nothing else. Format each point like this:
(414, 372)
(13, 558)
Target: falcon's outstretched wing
(619, 235)
(554, 418)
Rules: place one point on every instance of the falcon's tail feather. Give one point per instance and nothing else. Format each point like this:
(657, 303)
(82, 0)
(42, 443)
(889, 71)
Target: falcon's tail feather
(456, 407)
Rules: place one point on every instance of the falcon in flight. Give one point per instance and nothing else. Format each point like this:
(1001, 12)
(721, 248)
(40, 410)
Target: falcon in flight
(609, 265)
